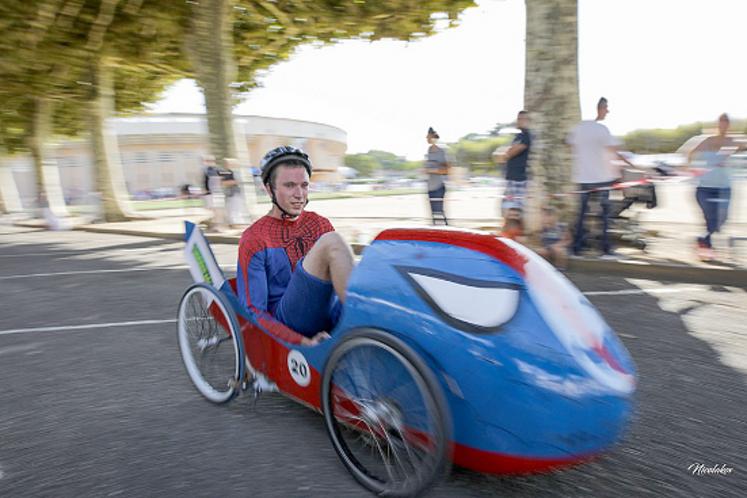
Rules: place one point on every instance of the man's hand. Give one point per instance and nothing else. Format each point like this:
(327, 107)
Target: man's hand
(313, 341)
(499, 154)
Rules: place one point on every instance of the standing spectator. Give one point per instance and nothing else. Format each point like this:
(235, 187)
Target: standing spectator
(257, 179)
(714, 185)
(593, 148)
(213, 195)
(437, 169)
(184, 192)
(209, 169)
(231, 191)
(516, 165)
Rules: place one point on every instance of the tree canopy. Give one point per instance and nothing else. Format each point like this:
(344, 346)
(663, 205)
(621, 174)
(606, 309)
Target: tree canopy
(48, 48)
(232, 41)
(474, 151)
(379, 162)
(266, 32)
(666, 140)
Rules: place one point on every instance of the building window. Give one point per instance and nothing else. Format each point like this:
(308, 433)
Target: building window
(141, 158)
(166, 157)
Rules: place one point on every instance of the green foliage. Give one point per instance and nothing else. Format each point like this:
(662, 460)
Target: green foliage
(364, 164)
(379, 162)
(411, 168)
(494, 132)
(266, 32)
(49, 47)
(31, 57)
(662, 141)
(387, 160)
(474, 151)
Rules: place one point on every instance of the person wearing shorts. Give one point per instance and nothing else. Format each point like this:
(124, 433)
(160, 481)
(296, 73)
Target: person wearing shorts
(292, 267)
(516, 158)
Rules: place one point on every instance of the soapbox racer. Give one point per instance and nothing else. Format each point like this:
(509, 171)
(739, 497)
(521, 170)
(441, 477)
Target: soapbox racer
(452, 347)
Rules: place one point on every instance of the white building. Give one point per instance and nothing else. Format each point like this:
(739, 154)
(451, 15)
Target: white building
(164, 151)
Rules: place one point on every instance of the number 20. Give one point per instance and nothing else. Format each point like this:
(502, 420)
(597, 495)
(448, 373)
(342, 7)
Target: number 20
(299, 368)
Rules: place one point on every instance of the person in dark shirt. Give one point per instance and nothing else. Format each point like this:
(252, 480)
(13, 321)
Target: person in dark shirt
(212, 193)
(516, 165)
(209, 170)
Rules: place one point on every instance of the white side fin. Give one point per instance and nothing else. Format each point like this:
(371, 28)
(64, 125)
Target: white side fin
(200, 258)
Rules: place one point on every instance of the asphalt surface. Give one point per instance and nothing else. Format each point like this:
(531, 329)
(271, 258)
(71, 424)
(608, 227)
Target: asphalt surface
(108, 410)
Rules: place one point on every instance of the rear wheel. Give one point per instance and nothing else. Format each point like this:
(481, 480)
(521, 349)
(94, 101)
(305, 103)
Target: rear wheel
(210, 343)
(385, 414)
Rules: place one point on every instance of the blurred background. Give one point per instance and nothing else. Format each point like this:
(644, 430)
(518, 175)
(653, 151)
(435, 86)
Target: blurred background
(110, 106)
(118, 116)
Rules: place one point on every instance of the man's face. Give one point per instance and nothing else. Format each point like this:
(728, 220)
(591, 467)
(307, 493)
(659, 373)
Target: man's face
(522, 121)
(431, 139)
(602, 111)
(291, 188)
(513, 214)
(723, 125)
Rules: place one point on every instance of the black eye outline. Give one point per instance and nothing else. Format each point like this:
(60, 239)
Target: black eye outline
(408, 271)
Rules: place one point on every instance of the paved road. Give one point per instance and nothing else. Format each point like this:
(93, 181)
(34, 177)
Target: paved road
(108, 410)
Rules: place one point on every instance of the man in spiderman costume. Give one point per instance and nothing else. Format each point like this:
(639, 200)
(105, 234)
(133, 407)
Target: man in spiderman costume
(293, 267)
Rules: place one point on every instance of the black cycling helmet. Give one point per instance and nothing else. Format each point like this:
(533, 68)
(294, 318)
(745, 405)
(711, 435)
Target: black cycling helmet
(279, 155)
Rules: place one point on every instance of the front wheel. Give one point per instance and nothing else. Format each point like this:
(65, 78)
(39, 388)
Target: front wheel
(210, 343)
(385, 414)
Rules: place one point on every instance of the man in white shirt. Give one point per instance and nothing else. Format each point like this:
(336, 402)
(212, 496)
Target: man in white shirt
(594, 147)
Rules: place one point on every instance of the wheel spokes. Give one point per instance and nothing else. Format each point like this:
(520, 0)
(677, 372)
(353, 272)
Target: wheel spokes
(396, 448)
(206, 336)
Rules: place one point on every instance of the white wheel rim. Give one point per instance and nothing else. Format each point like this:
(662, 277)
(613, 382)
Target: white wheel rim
(193, 370)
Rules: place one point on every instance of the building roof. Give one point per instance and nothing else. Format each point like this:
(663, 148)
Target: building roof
(196, 124)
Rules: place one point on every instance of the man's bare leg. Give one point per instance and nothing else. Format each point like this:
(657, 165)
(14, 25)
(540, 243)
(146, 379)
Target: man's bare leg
(331, 259)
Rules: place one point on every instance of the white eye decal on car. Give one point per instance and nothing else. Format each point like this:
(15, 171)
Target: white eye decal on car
(468, 304)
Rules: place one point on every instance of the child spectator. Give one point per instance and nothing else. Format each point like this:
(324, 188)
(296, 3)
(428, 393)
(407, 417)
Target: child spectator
(555, 239)
(513, 229)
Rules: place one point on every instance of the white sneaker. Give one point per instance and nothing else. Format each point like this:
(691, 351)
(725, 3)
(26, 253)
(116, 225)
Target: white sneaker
(610, 256)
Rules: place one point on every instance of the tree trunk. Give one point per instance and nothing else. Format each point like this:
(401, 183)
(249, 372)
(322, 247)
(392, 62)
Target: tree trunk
(551, 96)
(215, 69)
(10, 201)
(110, 184)
(210, 47)
(47, 174)
(244, 175)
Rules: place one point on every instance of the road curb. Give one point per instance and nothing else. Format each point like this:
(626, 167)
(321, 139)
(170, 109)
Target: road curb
(735, 277)
(215, 238)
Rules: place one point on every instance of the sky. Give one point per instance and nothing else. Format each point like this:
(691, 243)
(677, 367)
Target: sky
(660, 63)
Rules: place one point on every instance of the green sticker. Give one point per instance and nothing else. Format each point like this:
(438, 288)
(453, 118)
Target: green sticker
(201, 263)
